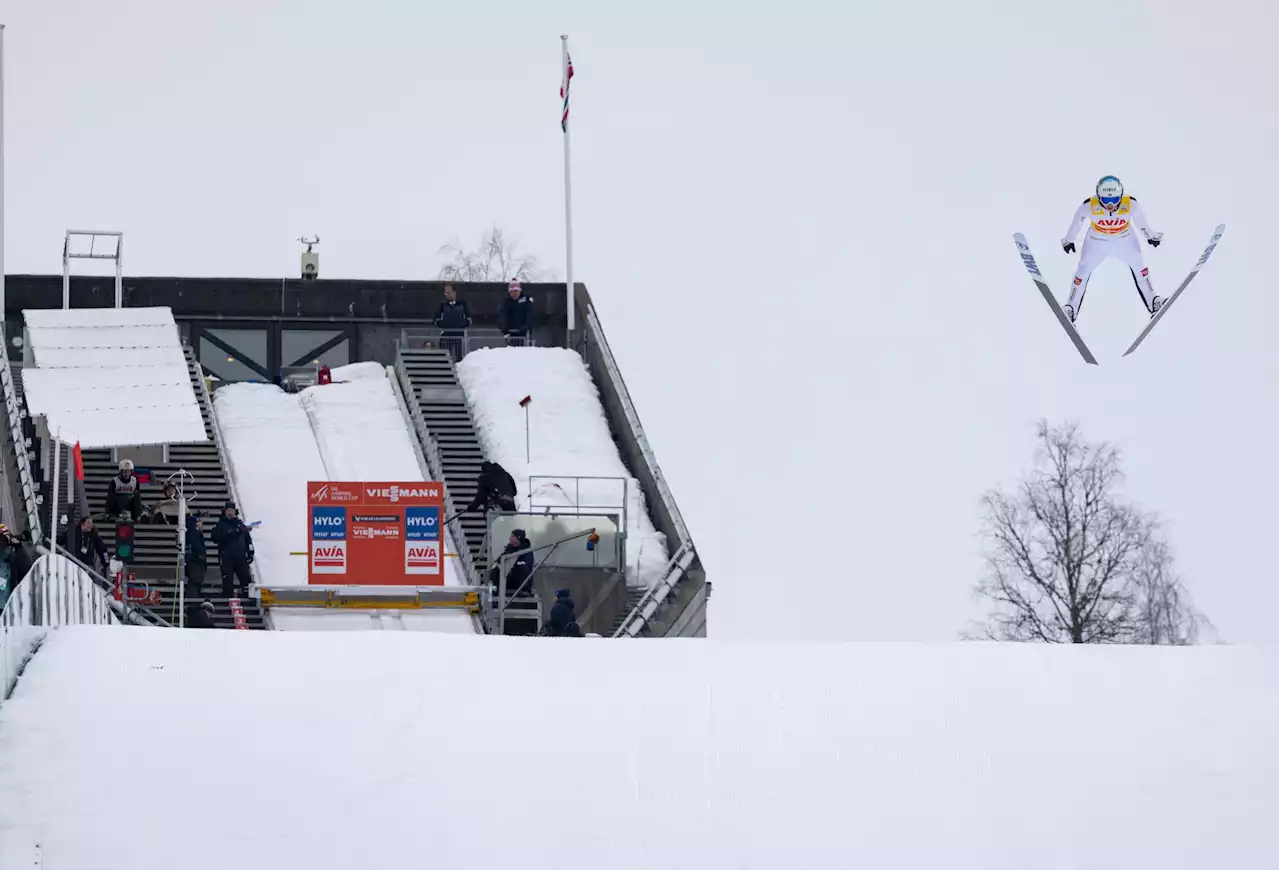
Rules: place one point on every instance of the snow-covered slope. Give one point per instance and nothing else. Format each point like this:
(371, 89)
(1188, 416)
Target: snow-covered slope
(569, 436)
(273, 454)
(393, 750)
(362, 435)
(352, 429)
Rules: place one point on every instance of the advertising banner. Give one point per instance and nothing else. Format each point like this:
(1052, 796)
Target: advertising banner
(375, 534)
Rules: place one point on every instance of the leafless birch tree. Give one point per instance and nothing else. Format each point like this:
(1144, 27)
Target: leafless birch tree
(494, 259)
(1069, 561)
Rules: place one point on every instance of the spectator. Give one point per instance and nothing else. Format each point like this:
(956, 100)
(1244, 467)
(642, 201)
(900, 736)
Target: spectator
(20, 558)
(124, 493)
(521, 567)
(235, 550)
(197, 560)
(516, 317)
(324, 376)
(563, 621)
(88, 548)
(454, 319)
(495, 489)
(200, 615)
(165, 511)
(10, 554)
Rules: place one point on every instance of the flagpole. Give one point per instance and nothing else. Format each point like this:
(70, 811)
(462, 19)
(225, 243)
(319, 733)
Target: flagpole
(568, 196)
(2, 299)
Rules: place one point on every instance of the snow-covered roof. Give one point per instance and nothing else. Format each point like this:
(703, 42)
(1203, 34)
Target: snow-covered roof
(110, 377)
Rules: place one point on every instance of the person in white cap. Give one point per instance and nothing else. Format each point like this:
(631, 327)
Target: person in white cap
(516, 317)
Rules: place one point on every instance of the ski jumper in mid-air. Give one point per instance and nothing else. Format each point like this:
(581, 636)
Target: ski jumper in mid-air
(1112, 215)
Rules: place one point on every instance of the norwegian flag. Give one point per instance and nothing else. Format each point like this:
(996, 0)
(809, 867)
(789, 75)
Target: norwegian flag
(565, 75)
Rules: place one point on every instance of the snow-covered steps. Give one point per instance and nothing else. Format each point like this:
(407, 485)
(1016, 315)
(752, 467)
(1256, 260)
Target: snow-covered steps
(439, 398)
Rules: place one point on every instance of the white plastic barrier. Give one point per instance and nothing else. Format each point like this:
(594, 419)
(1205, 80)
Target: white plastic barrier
(55, 592)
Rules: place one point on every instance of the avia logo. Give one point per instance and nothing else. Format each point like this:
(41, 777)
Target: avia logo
(329, 556)
(423, 557)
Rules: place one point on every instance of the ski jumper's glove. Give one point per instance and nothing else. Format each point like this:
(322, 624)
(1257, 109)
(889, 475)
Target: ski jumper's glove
(1155, 242)
(1069, 247)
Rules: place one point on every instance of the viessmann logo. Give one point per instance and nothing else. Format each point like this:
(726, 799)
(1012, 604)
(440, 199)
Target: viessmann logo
(395, 493)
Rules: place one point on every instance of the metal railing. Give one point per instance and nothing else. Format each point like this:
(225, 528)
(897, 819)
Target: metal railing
(427, 447)
(224, 458)
(474, 338)
(13, 412)
(684, 555)
(55, 592)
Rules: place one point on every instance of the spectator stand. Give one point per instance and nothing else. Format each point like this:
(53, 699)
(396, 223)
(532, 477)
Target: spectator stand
(577, 545)
(120, 383)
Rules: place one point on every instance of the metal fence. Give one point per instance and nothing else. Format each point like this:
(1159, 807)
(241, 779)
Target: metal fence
(13, 414)
(459, 344)
(55, 592)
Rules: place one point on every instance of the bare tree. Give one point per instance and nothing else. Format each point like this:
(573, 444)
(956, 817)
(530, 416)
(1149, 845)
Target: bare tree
(1070, 562)
(494, 259)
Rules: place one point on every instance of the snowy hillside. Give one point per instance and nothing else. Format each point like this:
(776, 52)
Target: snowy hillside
(382, 750)
(569, 436)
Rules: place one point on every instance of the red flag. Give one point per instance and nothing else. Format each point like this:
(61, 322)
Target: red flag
(79, 458)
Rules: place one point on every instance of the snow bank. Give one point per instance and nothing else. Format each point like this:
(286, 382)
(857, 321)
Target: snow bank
(683, 754)
(569, 436)
(272, 452)
(362, 434)
(308, 619)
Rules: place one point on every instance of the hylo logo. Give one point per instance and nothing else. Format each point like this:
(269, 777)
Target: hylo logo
(328, 521)
(429, 522)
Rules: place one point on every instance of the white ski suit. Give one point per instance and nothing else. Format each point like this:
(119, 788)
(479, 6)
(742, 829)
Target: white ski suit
(1111, 234)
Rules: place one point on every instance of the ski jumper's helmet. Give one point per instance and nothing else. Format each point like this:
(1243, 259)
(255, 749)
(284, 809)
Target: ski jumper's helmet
(1109, 192)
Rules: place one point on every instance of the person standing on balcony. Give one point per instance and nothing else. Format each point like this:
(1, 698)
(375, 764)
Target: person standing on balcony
(516, 317)
(88, 548)
(197, 559)
(454, 319)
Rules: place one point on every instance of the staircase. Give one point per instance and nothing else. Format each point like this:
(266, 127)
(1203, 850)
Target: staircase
(634, 594)
(439, 398)
(156, 545)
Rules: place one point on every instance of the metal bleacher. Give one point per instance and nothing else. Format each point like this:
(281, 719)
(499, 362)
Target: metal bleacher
(437, 396)
(156, 545)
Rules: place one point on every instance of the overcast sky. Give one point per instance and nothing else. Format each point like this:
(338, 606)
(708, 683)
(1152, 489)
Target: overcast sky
(795, 219)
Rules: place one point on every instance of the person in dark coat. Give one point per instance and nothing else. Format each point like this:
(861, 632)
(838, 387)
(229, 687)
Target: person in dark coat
(124, 493)
(200, 615)
(495, 489)
(562, 621)
(235, 550)
(515, 318)
(197, 559)
(88, 548)
(454, 319)
(521, 566)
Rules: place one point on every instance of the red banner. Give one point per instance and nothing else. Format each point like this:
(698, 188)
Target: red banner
(375, 534)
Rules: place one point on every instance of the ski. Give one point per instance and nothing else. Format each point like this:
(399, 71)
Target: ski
(1168, 303)
(1030, 262)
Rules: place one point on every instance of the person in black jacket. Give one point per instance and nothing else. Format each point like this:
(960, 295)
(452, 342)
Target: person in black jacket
(454, 319)
(521, 566)
(197, 560)
(495, 489)
(235, 550)
(88, 548)
(562, 621)
(124, 493)
(516, 316)
(200, 615)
